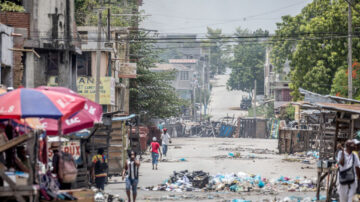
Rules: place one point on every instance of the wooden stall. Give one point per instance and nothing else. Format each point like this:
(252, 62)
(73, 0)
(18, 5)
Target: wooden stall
(342, 127)
(252, 128)
(15, 187)
(296, 140)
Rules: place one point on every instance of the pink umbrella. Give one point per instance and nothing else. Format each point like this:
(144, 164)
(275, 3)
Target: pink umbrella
(85, 118)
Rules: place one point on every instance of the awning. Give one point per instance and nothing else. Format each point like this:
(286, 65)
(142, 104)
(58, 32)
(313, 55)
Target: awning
(123, 118)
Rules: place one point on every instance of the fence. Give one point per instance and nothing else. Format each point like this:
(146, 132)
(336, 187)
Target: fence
(296, 140)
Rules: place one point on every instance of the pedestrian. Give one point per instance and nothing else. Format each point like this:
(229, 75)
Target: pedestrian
(131, 170)
(155, 151)
(166, 140)
(348, 172)
(55, 147)
(99, 169)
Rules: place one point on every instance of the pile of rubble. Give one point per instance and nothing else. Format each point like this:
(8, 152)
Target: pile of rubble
(241, 182)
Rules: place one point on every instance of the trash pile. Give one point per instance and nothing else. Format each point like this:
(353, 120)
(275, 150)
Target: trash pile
(248, 150)
(238, 155)
(240, 182)
(309, 157)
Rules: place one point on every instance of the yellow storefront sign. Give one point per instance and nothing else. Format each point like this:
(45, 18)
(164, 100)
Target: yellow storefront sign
(86, 87)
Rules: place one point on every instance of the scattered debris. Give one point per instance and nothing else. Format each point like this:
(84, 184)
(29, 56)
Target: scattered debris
(237, 155)
(186, 181)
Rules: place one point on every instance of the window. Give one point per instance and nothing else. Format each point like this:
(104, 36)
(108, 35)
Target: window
(83, 36)
(184, 75)
(84, 64)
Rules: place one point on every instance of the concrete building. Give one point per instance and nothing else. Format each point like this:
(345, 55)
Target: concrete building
(53, 36)
(45, 43)
(276, 84)
(6, 55)
(15, 29)
(183, 82)
(114, 54)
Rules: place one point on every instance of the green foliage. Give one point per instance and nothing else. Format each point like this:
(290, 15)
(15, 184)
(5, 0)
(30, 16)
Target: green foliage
(86, 13)
(8, 6)
(217, 53)
(266, 111)
(248, 63)
(288, 114)
(315, 55)
(151, 92)
(340, 82)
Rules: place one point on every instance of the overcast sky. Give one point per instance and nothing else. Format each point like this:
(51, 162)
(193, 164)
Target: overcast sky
(193, 16)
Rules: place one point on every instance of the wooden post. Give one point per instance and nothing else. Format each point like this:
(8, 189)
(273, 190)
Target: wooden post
(123, 131)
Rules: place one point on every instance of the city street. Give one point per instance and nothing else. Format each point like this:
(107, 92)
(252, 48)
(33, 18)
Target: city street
(200, 153)
(224, 102)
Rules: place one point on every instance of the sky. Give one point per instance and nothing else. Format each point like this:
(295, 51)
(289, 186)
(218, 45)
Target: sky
(193, 16)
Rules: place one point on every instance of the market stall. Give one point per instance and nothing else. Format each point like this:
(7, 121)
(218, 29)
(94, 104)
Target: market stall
(60, 110)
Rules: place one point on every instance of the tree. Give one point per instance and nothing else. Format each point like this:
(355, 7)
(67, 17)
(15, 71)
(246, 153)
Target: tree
(315, 43)
(248, 63)
(151, 92)
(86, 12)
(14, 6)
(216, 44)
(340, 84)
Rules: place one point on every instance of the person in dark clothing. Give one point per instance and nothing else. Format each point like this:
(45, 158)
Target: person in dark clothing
(10, 153)
(132, 177)
(55, 146)
(99, 169)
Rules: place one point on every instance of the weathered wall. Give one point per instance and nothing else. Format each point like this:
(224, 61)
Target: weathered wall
(52, 22)
(103, 64)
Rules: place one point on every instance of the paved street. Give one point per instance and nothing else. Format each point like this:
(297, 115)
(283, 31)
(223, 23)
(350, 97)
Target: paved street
(200, 155)
(222, 101)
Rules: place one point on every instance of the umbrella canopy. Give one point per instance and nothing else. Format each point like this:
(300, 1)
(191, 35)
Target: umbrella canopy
(27, 102)
(73, 124)
(91, 109)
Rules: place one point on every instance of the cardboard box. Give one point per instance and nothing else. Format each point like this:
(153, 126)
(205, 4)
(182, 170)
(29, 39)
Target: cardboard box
(83, 195)
(21, 178)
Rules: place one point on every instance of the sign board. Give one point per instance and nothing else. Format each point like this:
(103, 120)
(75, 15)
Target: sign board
(127, 70)
(86, 87)
(71, 147)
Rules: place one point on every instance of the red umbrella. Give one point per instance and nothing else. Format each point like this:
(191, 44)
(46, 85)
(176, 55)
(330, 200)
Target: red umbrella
(28, 102)
(85, 118)
(91, 109)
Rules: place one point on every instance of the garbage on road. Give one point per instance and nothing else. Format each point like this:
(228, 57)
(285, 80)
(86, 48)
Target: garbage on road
(238, 155)
(309, 157)
(186, 181)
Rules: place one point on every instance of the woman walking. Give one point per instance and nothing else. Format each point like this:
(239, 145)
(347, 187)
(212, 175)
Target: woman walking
(155, 151)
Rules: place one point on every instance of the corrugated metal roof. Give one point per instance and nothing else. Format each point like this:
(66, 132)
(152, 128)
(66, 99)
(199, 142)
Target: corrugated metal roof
(183, 61)
(353, 108)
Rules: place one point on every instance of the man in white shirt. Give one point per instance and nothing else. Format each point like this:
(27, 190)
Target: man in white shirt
(346, 159)
(166, 140)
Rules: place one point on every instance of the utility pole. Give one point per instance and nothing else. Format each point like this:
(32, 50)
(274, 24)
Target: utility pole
(108, 40)
(254, 99)
(98, 62)
(203, 85)
(349, 51)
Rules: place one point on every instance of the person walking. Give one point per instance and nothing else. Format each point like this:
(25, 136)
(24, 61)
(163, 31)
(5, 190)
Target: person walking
(155, 151)
(348, 172)
(131, 171)
(55, 147)
(166, 140)
(99, 169)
